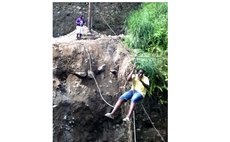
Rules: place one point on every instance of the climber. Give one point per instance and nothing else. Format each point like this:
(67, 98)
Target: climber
(140, 84)
(79, 26)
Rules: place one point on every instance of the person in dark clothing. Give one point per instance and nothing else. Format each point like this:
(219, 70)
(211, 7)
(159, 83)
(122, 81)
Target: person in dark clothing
(79, 26)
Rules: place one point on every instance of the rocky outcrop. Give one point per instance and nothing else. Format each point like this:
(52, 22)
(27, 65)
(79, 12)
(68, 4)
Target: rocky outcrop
(88, 77)
(84, 72)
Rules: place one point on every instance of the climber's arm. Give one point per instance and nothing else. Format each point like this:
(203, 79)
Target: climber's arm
(129, 78)
(144, 84)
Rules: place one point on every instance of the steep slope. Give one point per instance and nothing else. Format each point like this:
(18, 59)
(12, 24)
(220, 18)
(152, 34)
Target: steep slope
(81, 68)
(88, 77)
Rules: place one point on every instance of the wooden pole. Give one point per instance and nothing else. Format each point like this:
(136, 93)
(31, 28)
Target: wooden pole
(90, 17)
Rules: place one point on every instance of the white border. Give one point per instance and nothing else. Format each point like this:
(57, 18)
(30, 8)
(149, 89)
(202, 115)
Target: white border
(198, 71)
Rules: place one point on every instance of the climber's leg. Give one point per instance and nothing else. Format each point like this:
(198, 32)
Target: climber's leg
(117, 105)
(135, 98)
(123, 98)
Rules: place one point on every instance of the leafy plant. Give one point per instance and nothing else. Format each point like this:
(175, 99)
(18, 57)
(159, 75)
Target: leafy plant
(148, 26)
(147, 34)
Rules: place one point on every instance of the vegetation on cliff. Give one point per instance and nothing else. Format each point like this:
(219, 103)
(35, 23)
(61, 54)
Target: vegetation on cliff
(147, 34)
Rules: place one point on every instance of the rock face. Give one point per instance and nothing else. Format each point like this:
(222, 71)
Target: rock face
(85, 72)
(88, 77)
(77, 63)
(103, 14)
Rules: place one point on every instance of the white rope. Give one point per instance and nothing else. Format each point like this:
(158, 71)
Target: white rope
(152, 123)
(134, 123)
(105, 20)
(135, 60)
(124, 87)
(91, 72)
(134, 127)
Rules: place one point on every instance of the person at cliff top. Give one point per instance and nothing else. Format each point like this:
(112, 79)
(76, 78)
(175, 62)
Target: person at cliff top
(140, 83)
(79, 26)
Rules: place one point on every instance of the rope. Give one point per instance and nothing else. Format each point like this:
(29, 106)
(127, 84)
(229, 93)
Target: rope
(103, 97)
(134, 123)
(91, 72)
(152, 123)
(134, 127)
(135, 60)
(113, 106)
(104, 20)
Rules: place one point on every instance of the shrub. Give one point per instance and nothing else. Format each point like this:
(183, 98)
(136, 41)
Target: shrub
(147, 33)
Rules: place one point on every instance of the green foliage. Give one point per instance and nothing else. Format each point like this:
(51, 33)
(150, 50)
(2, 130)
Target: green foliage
(147, 34)
(148, 26)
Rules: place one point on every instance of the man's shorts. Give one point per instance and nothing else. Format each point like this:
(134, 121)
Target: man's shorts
(133, 95)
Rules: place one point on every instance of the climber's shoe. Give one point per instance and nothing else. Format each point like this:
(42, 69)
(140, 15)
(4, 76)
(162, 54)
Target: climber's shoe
(126, 119)
(109, 115)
